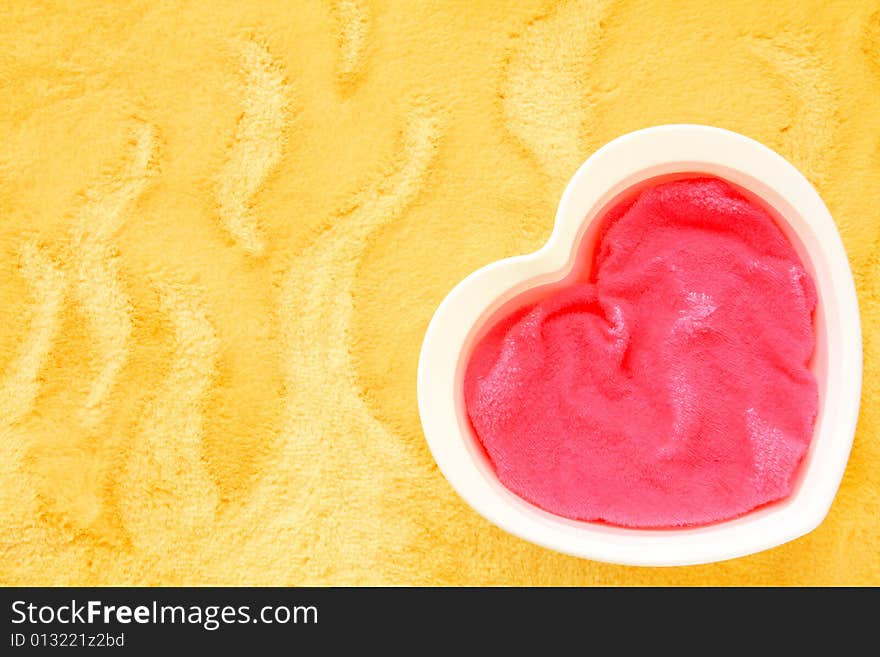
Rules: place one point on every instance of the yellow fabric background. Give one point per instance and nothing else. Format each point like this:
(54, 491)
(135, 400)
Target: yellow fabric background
(225, 227)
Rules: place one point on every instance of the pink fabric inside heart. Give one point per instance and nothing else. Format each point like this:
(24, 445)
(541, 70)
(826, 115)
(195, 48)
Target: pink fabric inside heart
(671, 387)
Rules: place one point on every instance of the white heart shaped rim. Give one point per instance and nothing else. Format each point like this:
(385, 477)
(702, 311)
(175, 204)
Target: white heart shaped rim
(627, 160)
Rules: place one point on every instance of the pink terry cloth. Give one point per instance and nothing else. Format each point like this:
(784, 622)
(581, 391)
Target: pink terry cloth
(670, 389)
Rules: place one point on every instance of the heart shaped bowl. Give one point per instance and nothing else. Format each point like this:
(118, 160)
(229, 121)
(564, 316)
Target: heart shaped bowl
(634, 159)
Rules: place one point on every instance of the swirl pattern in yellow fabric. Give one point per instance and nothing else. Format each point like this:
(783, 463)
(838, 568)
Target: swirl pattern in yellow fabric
(168, 492)
(95, 271)
(226, 226)
(257, 146)
(353, 22)
(546, 93)
(20, 385)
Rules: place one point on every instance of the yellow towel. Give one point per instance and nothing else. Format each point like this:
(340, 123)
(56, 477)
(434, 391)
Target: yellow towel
(225, 227)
